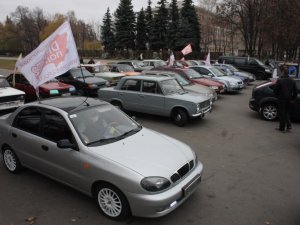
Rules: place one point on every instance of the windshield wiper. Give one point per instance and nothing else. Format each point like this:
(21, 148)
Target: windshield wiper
(105, 140)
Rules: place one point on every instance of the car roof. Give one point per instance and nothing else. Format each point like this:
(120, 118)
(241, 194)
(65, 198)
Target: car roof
(153, 60)
(69, 104)
(148, 77)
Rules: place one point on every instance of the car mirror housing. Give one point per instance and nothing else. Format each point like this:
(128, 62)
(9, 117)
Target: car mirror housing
(65, 143)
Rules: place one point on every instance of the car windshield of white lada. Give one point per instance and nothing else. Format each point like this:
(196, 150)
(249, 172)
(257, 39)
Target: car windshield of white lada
(102, 125)
(171, 86)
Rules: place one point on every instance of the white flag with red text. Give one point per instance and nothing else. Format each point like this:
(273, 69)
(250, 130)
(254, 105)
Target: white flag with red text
(187, 49)
(53, 57)
(171, 60)
(207, 60)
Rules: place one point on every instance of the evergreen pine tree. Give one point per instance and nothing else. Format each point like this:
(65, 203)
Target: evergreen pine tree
(159, 35)
(141, 31)
(107, 35)
(125, 25)
(174, 24)
(189, 16)
(149, 23)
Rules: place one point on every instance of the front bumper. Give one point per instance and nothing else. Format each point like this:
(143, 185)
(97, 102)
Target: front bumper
(253, 105)
(156, 205)
(203, 112)
(11, 104)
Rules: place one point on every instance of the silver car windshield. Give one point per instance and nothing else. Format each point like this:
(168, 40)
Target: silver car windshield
(78, 74)
(232, 68)
(102, 124)
(171, 86)
(3, 82)
(217, 72)
(192, 74)
(103, 68)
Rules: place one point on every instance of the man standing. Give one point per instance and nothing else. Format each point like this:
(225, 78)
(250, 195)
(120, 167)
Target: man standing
(286, 92)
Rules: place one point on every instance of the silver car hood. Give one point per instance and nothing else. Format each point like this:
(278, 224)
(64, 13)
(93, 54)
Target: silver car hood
(229, 79)
(109, 74)
(191, 96)
(148, 153)
(9, 91)
(199, 89)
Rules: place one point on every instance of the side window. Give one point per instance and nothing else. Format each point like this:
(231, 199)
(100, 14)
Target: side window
(55, 127)
(150, 87)
(252, 62)
(23, 80)
(131, 85)
(240, 61)
(29, 120)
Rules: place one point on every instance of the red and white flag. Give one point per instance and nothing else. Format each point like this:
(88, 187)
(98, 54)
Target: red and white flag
(207, 60)
(187, 49)
(53, 57)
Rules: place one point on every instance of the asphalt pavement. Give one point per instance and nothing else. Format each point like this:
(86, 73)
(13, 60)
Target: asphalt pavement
(251, 176)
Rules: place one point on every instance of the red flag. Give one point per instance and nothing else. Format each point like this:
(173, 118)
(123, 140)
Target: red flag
(187, 49)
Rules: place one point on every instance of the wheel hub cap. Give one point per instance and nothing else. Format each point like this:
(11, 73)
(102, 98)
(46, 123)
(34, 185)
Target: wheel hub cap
(109, 202)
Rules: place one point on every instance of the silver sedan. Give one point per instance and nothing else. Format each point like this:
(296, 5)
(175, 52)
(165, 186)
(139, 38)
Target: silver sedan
(95, 148)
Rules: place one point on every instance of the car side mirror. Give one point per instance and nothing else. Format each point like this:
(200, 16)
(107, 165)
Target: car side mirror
(210, 74)
(65, 143)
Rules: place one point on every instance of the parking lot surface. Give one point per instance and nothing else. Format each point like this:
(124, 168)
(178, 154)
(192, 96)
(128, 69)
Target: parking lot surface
(251, 176)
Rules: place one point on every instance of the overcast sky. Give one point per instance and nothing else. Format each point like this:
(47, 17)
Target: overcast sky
(87, 10)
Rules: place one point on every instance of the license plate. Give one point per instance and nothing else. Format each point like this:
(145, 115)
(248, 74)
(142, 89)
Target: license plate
(190, 187)
(66, 94)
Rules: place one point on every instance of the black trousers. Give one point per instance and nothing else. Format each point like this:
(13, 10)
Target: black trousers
(284, 114)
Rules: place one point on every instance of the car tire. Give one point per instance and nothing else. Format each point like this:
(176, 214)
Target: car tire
(112, 202)
(269, 111)
(118, 105)
(11, 161)
(179, 117)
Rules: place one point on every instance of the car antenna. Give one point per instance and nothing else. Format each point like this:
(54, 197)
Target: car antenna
(87, 104)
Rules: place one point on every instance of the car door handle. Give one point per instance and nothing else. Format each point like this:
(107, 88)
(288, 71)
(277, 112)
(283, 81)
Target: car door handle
(45, 148)
(120, 93)
(14, 135)
(142, 96)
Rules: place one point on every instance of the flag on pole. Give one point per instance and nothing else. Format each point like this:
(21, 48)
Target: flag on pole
(53, 57)
(171, 60)
(187, 49)
(15, 70)
(207, 60)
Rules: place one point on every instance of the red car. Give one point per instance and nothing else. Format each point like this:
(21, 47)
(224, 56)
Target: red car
(46, 90)
(195, 77)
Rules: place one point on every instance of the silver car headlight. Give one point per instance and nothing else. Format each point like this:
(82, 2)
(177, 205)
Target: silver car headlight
(232, 83)
(154, 184)
(198, 107)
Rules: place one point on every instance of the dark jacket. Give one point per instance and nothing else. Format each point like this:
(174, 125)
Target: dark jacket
(285, 89)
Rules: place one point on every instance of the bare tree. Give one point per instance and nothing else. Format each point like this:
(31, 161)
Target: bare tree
(247, 17)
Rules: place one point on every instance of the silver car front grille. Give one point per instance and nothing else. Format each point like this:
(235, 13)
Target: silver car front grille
(182, 171)
(204, 104)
